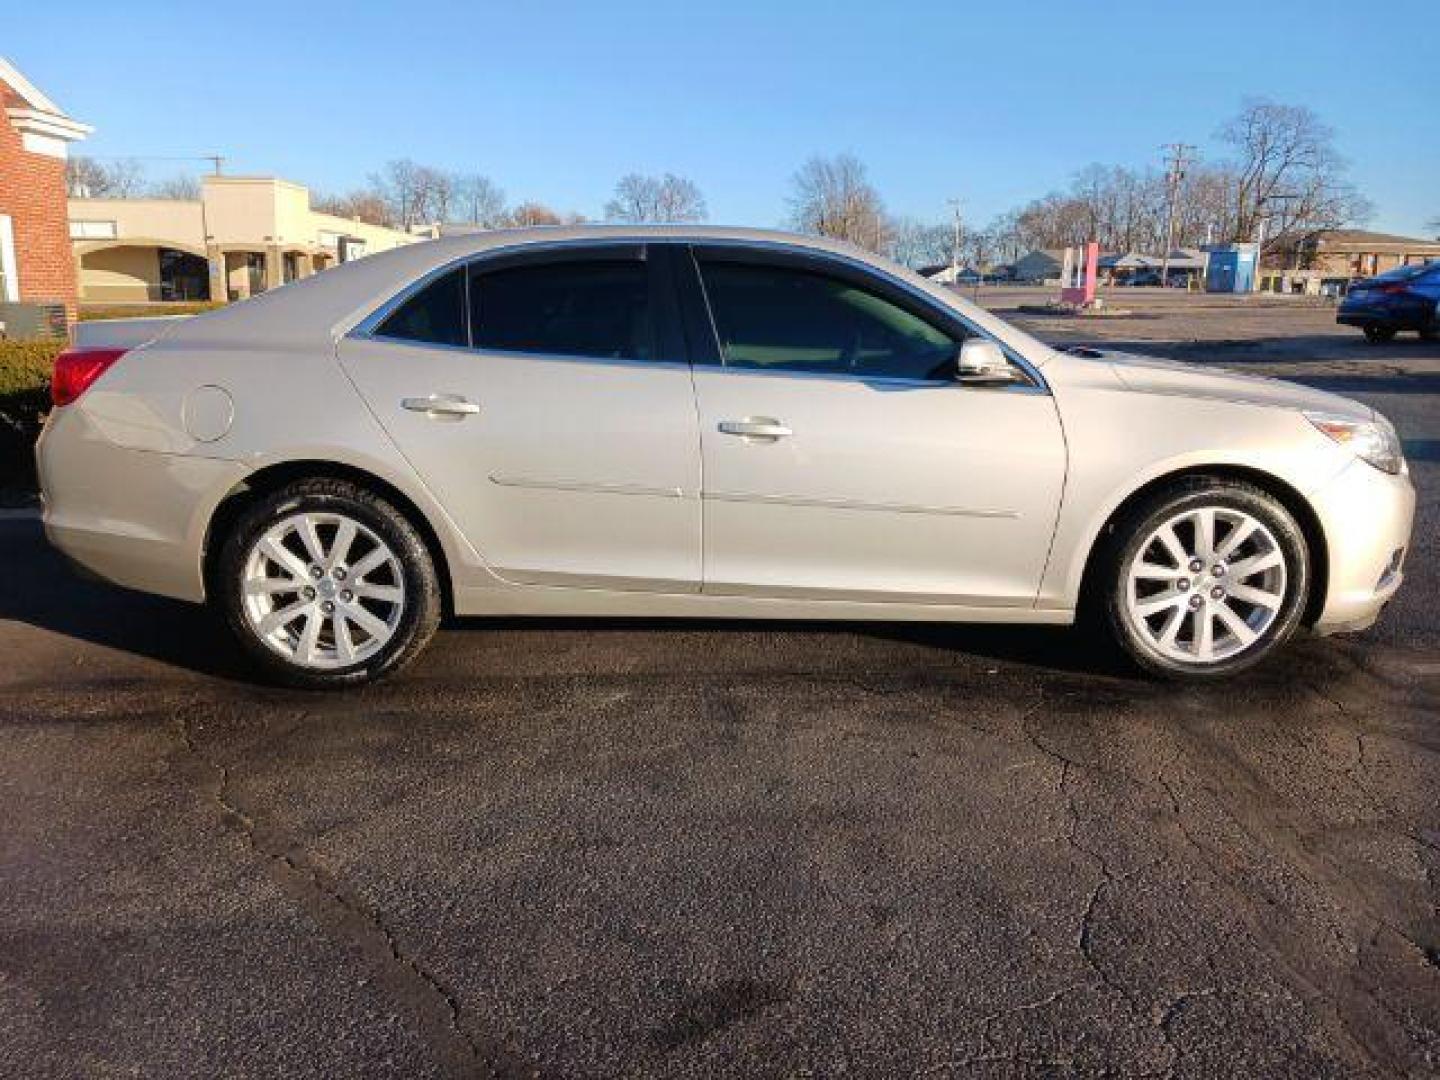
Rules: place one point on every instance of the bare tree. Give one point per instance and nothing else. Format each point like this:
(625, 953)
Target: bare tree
(656, 198)
(919, 244)
(1289, 176)
(415, 194)
(86, 178)
(531, 213)
(364, 204)
(184, 187)
(832, 197)
(479, 201)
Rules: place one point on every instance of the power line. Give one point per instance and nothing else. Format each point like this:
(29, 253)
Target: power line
(217, 161)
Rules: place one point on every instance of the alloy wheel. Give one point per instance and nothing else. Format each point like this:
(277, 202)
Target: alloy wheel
(322, 590)
(1206, 585)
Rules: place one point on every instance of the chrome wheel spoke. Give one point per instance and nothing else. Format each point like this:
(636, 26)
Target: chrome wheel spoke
(1254, 564)
(277, 553)
(267, 586)
(1238, 535)
(367, 622)
(1159, 602)
(1171, 542)
(391, 594)
(282, 618)
(1205, 533)
(340, 548)
(1153, 571)
(1251, 595)
(369, 563)
(305, 647)
(344, 645)
(1235, 624)
(1171, 631)
(310, 537)
(1205, 633)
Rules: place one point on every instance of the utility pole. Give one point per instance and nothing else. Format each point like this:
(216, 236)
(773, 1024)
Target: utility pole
(1178, 160)
(955, 246)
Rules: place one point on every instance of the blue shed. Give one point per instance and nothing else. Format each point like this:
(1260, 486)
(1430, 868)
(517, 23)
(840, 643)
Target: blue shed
(1232, 268)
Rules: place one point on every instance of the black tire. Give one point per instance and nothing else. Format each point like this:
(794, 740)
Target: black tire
(1135, 528)
(1378, 335)
(421, 610)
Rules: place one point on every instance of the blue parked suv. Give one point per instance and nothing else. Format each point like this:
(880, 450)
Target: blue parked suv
(1406, 298)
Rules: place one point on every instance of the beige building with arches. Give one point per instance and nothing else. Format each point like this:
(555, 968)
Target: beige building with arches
(245, 234)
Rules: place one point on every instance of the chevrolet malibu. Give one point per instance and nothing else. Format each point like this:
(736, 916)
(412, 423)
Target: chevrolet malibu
(699, 422)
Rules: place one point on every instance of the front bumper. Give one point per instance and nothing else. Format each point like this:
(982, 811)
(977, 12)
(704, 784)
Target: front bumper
(1367, 517)
(133, 517)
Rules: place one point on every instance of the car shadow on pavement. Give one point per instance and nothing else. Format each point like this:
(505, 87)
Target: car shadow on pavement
(39, 588)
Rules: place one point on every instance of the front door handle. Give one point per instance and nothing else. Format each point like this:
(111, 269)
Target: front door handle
(755, 427)
(441, 406)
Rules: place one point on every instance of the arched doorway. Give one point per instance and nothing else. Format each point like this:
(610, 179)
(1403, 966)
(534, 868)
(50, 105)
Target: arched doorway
(131, 271)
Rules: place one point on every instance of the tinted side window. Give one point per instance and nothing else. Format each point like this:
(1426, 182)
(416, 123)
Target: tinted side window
(435, 314)
(779, 318)
(594, 308)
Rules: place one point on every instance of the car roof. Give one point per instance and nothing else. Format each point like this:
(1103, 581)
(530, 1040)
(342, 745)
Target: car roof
(332, 302)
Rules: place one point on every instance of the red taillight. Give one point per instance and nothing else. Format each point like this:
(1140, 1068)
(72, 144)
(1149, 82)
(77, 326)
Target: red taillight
(1391, 290)
(76, 369)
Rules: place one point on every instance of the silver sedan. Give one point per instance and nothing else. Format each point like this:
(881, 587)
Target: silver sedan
(699, 422)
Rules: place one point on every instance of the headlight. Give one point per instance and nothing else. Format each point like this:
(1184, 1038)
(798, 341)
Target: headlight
(1373, 441)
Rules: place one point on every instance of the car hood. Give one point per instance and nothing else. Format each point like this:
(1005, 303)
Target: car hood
(1150, 375)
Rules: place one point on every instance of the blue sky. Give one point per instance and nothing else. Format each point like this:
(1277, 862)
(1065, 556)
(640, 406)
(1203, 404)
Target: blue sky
(995, 103)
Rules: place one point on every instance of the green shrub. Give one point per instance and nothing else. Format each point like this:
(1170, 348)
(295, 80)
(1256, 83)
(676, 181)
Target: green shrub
(25, 368)
(145, 311)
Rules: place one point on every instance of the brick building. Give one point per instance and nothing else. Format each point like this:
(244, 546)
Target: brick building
(36, 260)
(1347, 253)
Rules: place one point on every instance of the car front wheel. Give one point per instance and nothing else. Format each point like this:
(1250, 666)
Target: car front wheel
(1206, 579)
(326, 585)
(1378, 335)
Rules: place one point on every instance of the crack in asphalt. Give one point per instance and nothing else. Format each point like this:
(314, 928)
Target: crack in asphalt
(436, 1009)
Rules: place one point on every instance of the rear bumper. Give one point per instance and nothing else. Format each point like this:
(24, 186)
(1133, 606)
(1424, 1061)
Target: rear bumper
(132, 517)
(1367, 517)
(1418, 319)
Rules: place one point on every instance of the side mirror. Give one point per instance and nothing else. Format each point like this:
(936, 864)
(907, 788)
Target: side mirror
(981, 363)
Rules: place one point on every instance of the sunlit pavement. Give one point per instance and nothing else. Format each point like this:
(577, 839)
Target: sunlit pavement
(728, 849)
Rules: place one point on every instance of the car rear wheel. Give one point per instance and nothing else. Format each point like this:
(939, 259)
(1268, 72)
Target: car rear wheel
(1205, 579)
(326, 585)
(1378, 335)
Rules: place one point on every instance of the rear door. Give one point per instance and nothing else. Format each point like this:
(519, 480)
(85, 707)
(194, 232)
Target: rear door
(545, 400)
(842, 459)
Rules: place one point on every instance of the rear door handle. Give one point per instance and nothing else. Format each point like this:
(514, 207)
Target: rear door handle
(450, 406)
(755, 427)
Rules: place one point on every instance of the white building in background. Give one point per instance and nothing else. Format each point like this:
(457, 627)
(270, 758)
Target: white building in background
(245, 234)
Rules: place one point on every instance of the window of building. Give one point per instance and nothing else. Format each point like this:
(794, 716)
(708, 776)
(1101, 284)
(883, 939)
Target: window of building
(92, 230)
(435, 315)
(780, 318)
(9, 280)
(596, 308)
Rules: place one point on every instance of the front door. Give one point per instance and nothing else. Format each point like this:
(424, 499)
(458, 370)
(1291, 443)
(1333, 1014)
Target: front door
(556, 423)
(842, 459)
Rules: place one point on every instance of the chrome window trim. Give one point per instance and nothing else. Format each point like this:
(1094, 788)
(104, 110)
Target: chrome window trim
(365, 328)
(511, 354)
(882, 380)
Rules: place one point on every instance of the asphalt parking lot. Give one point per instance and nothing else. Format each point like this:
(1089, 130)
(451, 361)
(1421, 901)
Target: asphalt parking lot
(567, 849)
